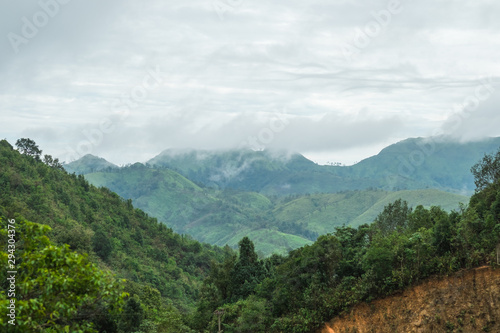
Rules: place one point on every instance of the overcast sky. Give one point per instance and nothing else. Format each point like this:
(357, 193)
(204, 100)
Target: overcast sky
(334, 80)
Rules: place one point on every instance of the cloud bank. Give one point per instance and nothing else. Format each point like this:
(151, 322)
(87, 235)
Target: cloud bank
(77, 75)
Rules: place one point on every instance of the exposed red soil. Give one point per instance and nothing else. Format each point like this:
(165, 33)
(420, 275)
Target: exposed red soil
(468, 301)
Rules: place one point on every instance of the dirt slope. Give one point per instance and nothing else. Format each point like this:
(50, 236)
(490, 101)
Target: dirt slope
(468, 301)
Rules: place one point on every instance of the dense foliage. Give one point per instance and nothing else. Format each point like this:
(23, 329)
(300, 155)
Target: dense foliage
(311, 285)
(56, 289)
(164, 270)
(175, 284)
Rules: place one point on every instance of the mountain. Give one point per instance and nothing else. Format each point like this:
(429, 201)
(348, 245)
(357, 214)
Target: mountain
(321, 213)
(176, 284)
(416, 163)
(275, 224)
(435, 162)
(285, 200)
(424, 270)
(87, 164)
(240, 169)
(214, 216)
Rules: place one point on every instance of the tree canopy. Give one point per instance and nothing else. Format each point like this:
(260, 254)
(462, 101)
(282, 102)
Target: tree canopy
(28, 147)
(57, 290)
(487, 171)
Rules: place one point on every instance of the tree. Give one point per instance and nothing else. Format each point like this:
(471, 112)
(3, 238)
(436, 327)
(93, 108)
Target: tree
(419, 218)
(379, 259)
(247, 272)
(132, 315)
(487, 171)
(51, 162)
(101, 245)
(220, 276)
(254, 315)
(442, 230)
(394, 217)
(28, 147)
(57, 290)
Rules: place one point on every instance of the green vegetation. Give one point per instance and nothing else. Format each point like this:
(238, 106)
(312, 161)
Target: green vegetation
(218, 217)
(301, 291)
(275, 224)
(163, 270)
(321, 213)
(56, 289)
(291, 204)
(92, 262)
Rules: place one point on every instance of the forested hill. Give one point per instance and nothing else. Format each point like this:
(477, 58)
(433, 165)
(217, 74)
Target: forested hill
(164, 270)
(208, 194)
(175, 284)
(417, 163)
(401, 249)
(275, 224)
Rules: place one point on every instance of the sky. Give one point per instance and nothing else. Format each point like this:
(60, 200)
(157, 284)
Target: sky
(334, 80)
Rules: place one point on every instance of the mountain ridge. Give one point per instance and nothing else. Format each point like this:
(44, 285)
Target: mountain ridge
(413, 163)
(220, 197)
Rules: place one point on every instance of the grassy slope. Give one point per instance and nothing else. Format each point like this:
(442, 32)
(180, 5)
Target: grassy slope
(163, 193)
(323, 212)
(224, 217)
(426, 198)
(216, 217)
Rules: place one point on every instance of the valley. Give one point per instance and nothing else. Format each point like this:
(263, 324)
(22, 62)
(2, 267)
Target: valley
(283, 200)
(303, 261)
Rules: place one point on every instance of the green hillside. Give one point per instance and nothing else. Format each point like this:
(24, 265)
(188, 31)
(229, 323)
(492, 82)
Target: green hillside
(436, 162)
(279, 224)
(321, 213)
(217, 217)
(401, 249)
(166, 193)
(71, 275)
(163, 269)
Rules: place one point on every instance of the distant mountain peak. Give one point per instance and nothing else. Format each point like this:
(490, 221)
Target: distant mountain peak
(89, 163)
(233, 155)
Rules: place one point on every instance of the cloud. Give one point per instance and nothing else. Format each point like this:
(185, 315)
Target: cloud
(226, 80)
(475, 121)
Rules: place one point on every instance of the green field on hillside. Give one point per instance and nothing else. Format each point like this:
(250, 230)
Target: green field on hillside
(276, 224)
